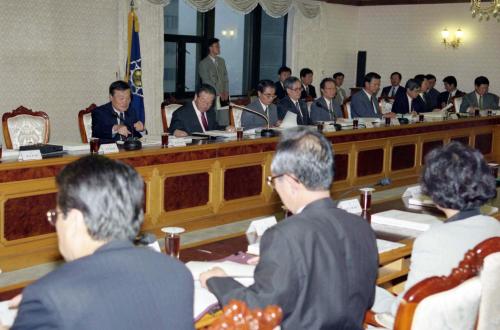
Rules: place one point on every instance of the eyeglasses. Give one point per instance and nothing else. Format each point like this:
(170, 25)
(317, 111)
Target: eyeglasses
(270, 96)
(271, 179)
(52, 216)
(298, 89)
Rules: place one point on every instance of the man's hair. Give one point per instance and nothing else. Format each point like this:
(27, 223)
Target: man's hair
(306, 155)
(430, 76)
(481, 80)
(420, 78)
(412, 84)
(205, 88)
(263, 84)
(109, 193)
(288, 83)
(457, 177)
(338, 74)
(212, 41)
(450, 80)
(370, 76)
(397, 74)
(305, 71)
(284, 69)
(118, 85)
(324, 81)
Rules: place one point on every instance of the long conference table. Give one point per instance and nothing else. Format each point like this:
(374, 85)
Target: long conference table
(210, 183)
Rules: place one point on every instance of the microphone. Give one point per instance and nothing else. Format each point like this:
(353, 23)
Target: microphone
(338, 127)
(267, 132)
(380, 183)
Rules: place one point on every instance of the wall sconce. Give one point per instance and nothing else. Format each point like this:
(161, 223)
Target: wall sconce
(229, 33)
(453, 42)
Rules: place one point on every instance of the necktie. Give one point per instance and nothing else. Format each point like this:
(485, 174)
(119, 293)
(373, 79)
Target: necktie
(298, 109)
(481, 102)
(330, 109)
(393, 90)
(449, 98)
(423, 98)
(204, 121)
(374, 102)
(122, 117)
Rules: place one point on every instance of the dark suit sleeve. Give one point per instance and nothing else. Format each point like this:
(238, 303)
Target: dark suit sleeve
(102, 125)
(131, 121)
(312, 91)
(356, 107)
(276, 277)
(282, 109)
(36, 311)
(177, 122)
(465, 104)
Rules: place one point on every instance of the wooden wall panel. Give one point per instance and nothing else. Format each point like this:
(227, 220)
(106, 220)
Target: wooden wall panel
(185, 191)
(341, 166)
(462, 139)
(242, 182)
(370, 162)
(484, 143)
(428, 146)
(403, 157)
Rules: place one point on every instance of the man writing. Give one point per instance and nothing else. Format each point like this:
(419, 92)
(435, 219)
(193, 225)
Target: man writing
(320, 265)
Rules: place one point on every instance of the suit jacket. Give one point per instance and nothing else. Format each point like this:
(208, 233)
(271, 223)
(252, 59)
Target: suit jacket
(433, 96)
(118, 287)
(185, 119)
(341, 95)
(104, 118)
(401, 104)
(490, 101)
(280, 90)
(250, 120)
(421, 105)
(213, 74)
(305, 94)
(362, 106)
(387, 90)
(286, 104)
(320, 111)
(319, 266)
(443, 97)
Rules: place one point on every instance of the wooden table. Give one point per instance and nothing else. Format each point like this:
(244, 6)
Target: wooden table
(213, 183)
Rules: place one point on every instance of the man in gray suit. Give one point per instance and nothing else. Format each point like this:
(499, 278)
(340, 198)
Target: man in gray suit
(107, 283)
(479, 98)
(459, 182)
(339, 81)
(364, 103)
(264, 105)
(326, 108)
(213, 72)
(320, 265)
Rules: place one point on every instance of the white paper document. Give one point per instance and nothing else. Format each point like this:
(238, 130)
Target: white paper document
(231, 268)
(254, 249)
(261, 225)
(75, 147)
(7, 316)
(403, 219)
(351, 206)
(385, 246)
(290, 120)
(218, 133)
(412, 191)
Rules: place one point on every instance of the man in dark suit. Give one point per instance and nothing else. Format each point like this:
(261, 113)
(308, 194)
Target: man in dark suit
(364, 103)
(197, 116)
(326, 108)
(107, 283)
(263, 105)
(432, 92)
(423, 101)
(446, 97)
(115, 120)
(293, 103)
(284, 72)
(395, 88)
(308, 90)
(320, 265)
(405, 104)
(480, 98)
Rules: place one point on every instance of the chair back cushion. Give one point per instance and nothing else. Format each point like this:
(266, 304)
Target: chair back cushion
(489, 309)
(168, 111)
(26, 130)
(87, 124)
(457, 102)
(452, 309)
(237, 116)
(348, 110)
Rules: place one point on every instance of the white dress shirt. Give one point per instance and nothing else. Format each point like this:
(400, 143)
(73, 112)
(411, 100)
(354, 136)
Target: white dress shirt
(199, 114)
(375, 110)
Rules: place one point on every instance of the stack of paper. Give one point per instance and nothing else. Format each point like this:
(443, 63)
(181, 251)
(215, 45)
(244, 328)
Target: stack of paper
(7, 316)
(218, 133)
(290, 120)
(405, 220)
(384, 246)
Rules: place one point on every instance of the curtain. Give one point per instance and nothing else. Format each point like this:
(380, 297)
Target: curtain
(274, 8)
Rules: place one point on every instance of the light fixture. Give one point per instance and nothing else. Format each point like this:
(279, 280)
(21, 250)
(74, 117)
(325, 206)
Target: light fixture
(453, 42)
(485, 11)
(230, 33)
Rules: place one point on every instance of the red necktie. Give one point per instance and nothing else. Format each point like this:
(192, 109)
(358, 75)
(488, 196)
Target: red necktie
(204, 121)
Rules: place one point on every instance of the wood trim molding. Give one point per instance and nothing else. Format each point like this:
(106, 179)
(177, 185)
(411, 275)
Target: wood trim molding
(81, 123)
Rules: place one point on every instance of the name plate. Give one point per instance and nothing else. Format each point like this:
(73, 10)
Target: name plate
(412, 191)
(395, 122)
(369, 124)
(351, 206)
(176, 143)
(108, 148)
(30, 155)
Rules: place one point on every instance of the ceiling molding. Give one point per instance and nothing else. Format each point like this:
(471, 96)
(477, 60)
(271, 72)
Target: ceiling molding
(391, 2)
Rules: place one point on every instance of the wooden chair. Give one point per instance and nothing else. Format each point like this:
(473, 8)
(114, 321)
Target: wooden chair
(346, 108)
(457, 102)
(23, 126)
(237, 315)
(85, 123)
(167, 111)
(235, 113)
(411, 308)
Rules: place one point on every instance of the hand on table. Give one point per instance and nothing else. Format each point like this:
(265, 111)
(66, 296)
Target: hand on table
(139, 126)
(214, 272)
(180, 133)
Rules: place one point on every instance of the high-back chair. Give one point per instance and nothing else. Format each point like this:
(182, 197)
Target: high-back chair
(85, 123)
(23, 126)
